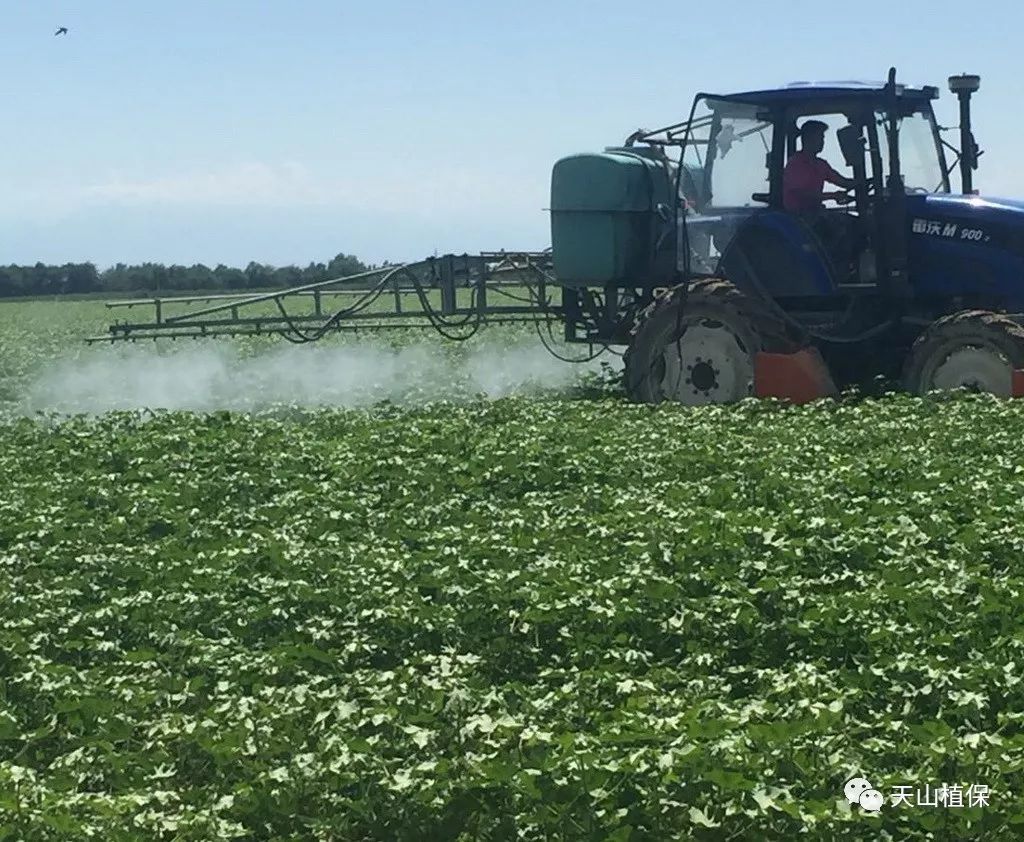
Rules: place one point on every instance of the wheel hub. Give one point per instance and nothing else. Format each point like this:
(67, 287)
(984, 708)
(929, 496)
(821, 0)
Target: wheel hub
(979, 369)
(707, 364)
(702, 375)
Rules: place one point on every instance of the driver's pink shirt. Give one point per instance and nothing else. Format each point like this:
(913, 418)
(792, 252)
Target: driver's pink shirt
(803, 182)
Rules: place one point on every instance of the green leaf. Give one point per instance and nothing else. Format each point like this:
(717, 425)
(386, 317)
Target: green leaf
(698, 817)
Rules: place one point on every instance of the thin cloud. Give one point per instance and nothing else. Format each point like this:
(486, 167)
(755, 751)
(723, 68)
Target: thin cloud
(244, 183)
(398, 188)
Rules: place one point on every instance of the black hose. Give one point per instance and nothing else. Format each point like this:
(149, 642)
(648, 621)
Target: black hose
(438, 322)
(516, 298)
(548, 321)
(442, 325)
(296, 335)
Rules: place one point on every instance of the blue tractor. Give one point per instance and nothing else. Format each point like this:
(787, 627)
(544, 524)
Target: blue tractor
(680, 246)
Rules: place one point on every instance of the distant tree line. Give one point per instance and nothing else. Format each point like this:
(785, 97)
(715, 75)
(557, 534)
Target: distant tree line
(80, 278)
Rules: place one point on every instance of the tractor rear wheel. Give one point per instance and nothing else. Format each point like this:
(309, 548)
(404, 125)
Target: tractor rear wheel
(697, 346)
(974, 349)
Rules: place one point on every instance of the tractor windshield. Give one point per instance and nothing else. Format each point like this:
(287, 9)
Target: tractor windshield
(725, 175)
(727, 153)
(921, 158)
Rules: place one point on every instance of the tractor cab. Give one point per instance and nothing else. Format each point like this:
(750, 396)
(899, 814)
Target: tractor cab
(736, 154)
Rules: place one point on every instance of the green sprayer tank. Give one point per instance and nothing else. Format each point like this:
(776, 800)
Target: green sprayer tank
(612, 219)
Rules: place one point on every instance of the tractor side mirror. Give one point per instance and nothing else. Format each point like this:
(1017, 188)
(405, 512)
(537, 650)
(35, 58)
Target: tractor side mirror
(975, 152)
(851, 141)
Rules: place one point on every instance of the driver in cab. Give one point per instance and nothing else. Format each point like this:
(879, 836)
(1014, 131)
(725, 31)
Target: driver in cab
(803, 180)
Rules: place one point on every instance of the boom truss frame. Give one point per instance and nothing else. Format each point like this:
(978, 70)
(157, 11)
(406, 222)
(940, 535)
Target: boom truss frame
(453, 294)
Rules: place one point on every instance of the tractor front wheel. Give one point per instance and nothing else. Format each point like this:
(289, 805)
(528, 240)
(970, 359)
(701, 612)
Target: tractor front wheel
(698, 346)
(974, 349)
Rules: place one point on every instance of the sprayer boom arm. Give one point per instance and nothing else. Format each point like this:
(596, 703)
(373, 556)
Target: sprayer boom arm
(454, 295)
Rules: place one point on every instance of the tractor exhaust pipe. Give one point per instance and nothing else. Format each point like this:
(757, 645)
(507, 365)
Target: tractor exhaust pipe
(965, 86)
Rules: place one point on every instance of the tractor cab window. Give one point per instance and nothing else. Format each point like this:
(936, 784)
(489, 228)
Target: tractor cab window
(921, 159)
(729, 147)
(831, 153)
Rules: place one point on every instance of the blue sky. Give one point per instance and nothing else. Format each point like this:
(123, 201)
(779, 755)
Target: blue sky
(288, 131)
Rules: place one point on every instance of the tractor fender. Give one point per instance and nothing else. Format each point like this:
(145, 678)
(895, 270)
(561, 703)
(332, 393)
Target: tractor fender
(800, 377)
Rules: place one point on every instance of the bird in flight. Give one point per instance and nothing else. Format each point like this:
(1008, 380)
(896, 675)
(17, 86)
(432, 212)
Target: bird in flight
(63, 30)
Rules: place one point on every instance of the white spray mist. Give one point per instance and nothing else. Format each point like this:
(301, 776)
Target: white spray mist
(208, 377)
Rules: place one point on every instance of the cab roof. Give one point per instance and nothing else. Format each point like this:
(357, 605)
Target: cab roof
(802, 91)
